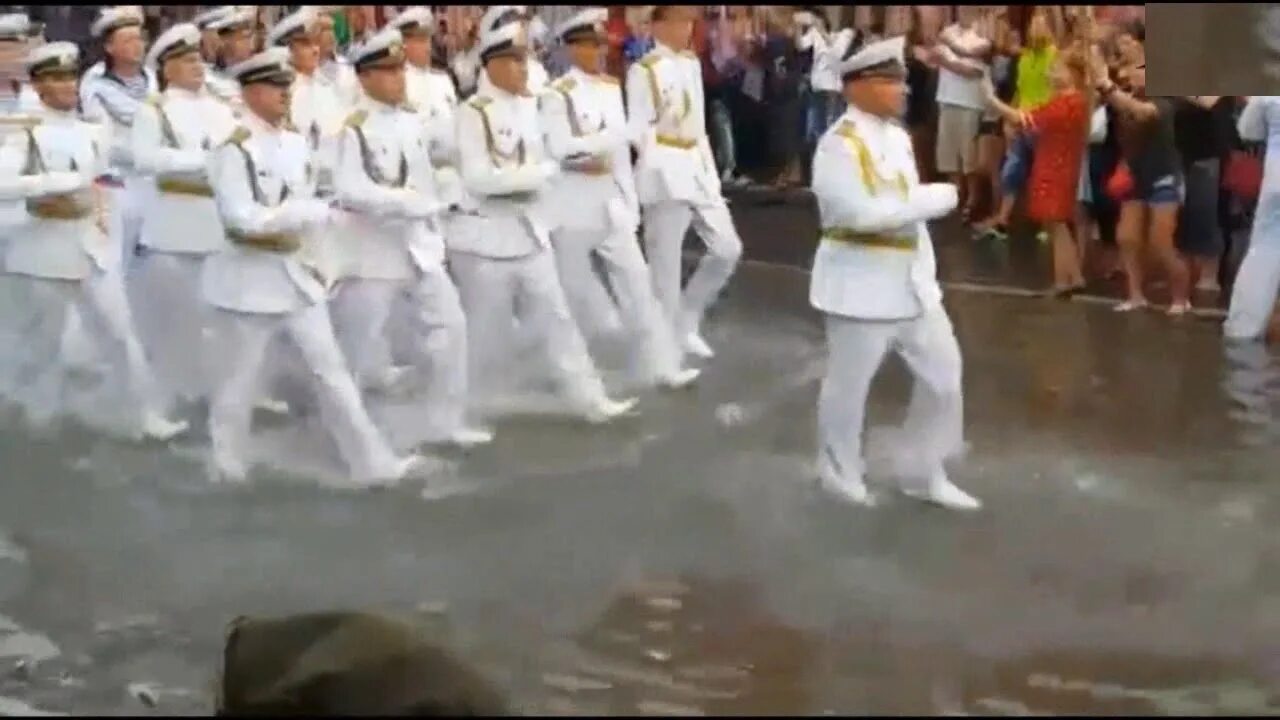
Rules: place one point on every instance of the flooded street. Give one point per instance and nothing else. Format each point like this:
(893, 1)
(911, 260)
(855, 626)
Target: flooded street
(683, 561)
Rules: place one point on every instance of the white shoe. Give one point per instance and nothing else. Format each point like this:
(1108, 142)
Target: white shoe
(852, 490)
(413, 465)
(157, 427)
(696, 346)
(271, 405)
(607, 410)
(941, 491)
(1178, 309)
(470, 437)
(229, 472)
(388, 379)
(1130, 306)
(680, 378)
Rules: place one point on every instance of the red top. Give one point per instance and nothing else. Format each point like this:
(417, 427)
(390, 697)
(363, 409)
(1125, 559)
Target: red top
(1061, 126)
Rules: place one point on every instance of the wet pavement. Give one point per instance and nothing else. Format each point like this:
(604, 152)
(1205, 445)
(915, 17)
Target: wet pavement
(683, 561)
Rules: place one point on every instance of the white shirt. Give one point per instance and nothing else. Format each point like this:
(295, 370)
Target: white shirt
(247, 279)
(342, 76)
(390, 216)
(172, 138)
(954, 89)
(582, 115)
(876, 194)
(317, 111)
(70, 153)
(823, 76)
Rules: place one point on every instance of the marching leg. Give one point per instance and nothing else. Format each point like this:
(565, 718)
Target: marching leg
(360, 314)
(1254, 296)
(104, 304)
(244, 339)
(485, 289)
(934, 427)
(571, 364)
(588, 299)
(855, 351)
(440, 329)
(367, 454)
(660, 358)
(665, 225)
(714, 225)
(39, 374)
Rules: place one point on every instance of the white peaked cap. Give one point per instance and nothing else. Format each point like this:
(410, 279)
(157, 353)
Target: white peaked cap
(113, 18)
(183, 37)
(237, 17)
(508, 39)
(498, 15)
(14, 26)
(296, 22)
(53, 57)
(589, 21)
(882, 57)
(386, 47)
(206, 19)
(270, 65)
(414, 18)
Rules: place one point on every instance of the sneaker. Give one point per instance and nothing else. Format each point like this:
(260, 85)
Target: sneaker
(851, 490)
(680, 378)
(696, 346)
(467, 437)
(1130, 306)
(273, 406)
(157, 427)
(606, 410)
(944, 493)
(1178, 309)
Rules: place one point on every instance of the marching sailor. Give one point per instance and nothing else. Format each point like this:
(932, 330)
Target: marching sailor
(676, 177)
(335, 67)
(431, 93)
(317, 112)
(497, 16)
(236, 30)
(261, 288)
(875, 281)
(1257, 285)
(595, 199)
(113, 98)
(386, 184)
(499, 246)
(63, 251)
(173, 134)
(17, 33)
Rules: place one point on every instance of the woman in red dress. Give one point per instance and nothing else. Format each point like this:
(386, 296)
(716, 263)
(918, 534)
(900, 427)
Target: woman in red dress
(1062, 127)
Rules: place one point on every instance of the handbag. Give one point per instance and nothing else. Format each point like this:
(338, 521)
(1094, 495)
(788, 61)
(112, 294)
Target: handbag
(1243, 175)
(1119, 186)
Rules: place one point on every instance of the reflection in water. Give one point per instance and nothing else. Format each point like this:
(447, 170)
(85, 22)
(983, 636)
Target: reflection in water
(1252, 381)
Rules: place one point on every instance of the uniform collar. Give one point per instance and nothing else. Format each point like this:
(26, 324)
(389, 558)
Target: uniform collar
(377, 106)
(177, 92)
(865, 119)
(663, 50)
(56, 116)
(258, 125)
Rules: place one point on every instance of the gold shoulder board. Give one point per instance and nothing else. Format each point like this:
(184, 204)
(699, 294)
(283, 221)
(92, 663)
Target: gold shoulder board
(154, 99)
(479, 101)
(608, 79)
(564, 84)
(239, 135)
(651, 59)
(357, 118)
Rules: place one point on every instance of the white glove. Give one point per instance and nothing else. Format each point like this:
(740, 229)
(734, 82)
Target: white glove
(937, 199)
(548, 169)
(61, 183)
(416, 207)
(307, 212)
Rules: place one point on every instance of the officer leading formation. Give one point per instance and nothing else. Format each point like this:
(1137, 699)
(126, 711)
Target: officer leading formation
(202, 223)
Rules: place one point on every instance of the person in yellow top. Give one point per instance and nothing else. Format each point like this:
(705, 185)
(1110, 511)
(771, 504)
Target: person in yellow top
(1033, 89)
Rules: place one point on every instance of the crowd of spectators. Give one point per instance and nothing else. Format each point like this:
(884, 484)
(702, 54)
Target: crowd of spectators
(1041, 121)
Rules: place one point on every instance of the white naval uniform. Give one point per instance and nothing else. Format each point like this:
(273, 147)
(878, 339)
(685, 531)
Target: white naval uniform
(678, 185)
(62, 254)
(172, 137)
(431, 93)
(1253, 298)
(316, 110)
(223, 88)
(499, 247)
(342, 76)
(260, 184)
(878, 290)
(104, 99)
(583, 115)
(386, 184)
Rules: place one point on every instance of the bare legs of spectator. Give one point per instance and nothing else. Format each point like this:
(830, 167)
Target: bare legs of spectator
(1154, 224)
(1067, 276)
(990, 154)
